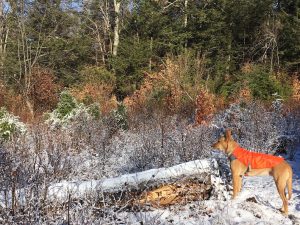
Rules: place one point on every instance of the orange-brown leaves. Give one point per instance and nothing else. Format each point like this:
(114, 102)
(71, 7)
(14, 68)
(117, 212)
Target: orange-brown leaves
(161, 90)
(205, 107)
(247, 67)
(44, 91)
(245, 94)
(97, 87)
(96, 93)
(296, 88)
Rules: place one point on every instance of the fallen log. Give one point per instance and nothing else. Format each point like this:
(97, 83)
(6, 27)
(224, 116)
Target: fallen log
(195, 180)
(134, 182)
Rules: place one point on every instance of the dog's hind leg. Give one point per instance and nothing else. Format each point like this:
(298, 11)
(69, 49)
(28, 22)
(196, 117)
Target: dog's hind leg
(280, 184)
(282, 174)
(289, 184)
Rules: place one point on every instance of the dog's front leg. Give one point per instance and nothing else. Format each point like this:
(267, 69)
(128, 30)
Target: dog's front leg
(236, 170)
(237, 183)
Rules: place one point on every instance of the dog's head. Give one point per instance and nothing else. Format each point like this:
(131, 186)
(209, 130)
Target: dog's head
(225, 143)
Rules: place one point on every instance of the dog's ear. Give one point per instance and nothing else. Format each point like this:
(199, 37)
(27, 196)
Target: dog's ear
(228, 134)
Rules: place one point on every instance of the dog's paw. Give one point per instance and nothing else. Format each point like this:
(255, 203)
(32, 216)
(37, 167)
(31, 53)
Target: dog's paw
(283, 212)
(233, 197)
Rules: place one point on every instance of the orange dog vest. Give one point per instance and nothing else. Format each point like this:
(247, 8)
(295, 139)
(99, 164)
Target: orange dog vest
(256, 160)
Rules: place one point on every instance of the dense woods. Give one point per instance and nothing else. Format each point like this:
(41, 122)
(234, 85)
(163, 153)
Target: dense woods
(107, 51)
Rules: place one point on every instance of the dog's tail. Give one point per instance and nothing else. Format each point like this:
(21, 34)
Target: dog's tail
(289, 184)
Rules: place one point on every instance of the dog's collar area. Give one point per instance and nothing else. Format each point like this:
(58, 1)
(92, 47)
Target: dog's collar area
(231, 157)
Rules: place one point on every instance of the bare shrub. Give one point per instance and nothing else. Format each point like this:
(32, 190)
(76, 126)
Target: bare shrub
(291, 113)
(165, 141)
(33, 161)
(92, 141)
(254, 125)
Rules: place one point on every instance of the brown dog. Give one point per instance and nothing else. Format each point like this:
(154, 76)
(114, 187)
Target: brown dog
(280, 170)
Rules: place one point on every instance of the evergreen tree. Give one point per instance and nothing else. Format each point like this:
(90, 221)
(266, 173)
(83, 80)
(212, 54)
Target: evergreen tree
(289, 38)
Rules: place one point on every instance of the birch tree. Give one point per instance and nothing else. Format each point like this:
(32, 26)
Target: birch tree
(185, 22)
(3, 38)
(98, 24)
(117, 6)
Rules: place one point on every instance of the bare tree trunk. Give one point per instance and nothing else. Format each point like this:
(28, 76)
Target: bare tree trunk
(13, 192)
(185, 22)
(30, 107)
(99, 40)
(1, 9)
(3, 39)
(1, 36)
(229, 58)
(151, 49)
(69, 200)
(229, 46)
(28, 57)
(117, 6)
(26, 65)
(107, 27)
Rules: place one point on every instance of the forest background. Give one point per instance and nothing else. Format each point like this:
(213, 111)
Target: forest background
(177, 56)
(97, 89)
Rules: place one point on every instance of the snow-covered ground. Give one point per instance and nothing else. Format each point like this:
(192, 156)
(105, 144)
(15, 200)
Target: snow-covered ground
(258, 204)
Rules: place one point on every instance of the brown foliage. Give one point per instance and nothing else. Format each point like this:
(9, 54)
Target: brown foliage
(163, 90)
(245, 94)
(205, 107)
(18, 107)
(97, 93)
(296, 88)
(97, 86)
(4, 94)
(138, 100)
(13, 102)
(44, 91)
(292, 104)
(247, 67)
